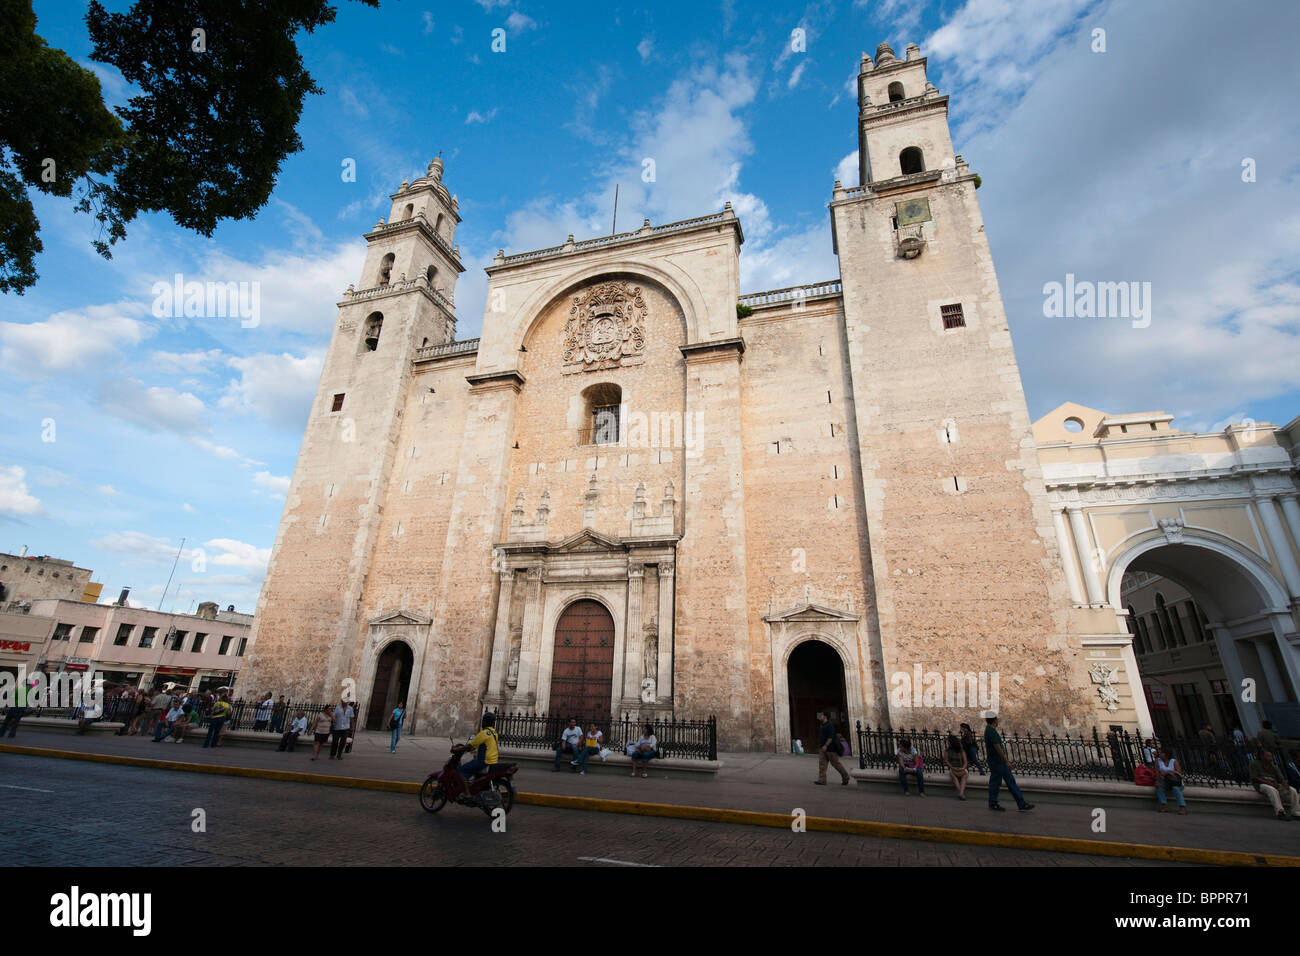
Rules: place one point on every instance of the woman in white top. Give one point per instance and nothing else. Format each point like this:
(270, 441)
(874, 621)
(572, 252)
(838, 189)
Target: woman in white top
(644, 750)
(1170, 777)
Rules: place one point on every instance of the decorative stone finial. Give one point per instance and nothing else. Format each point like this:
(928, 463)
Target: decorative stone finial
(884, 54)
(435, 169)
(913, 52)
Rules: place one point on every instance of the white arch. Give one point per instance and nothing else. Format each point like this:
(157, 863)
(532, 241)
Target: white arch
(1269, 587)
(679, 284)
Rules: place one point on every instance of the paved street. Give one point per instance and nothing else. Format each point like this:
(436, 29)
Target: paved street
(763, 782)
(78, 813)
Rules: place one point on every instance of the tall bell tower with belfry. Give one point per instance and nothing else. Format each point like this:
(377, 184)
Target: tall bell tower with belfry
(967, 572)
(318, 568)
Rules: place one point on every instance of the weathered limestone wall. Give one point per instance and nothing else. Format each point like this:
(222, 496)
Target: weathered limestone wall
(805, 522)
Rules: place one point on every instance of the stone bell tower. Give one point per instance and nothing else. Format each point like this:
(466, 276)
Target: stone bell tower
(964, 560)
(306, 638)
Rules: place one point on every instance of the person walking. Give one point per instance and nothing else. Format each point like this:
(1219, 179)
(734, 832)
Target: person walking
(321, 728)
(16, 711)
(955, 758)
(395, 725)
(343, 715)
(278, 713)
(217, 720)
(1000, 768)
(1169, 778)
(827, 752)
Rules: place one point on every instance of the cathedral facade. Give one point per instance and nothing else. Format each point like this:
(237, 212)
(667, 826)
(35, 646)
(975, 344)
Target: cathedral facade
(642, 492)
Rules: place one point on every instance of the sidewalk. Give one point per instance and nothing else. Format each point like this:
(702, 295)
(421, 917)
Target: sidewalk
(770, 783)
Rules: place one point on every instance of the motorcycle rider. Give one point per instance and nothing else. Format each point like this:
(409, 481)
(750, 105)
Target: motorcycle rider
(485, 750)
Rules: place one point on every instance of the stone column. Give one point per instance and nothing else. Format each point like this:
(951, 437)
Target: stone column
(1291, 510)
(1224, 640)
(632, 637)
(526, 689)
(1067, 556)
(1272, 676)
(664, 680)
(1146, 727)
(1281, 547)
(1087, 557)
(496, 689)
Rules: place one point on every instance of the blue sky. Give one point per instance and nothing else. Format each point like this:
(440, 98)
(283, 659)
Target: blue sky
(1123, 165)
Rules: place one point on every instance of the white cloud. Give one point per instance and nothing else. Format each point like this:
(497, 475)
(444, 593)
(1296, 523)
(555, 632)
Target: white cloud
(53, 478)
(142, 547)
(222, 451)
(276, 484)
(846, 170)
(351, 104)
(14, 499)
(154, 407)
(518, 22)
(179, 363)
(237, 554)
(646, 48)
(108, 490)
(68, 341)
(428, 22)
(476, 117)
(795, 74)
(277, 388)
(189, 508)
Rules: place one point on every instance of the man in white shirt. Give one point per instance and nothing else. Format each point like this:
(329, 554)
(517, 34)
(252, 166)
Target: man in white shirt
(263, 716)
(343, 715)
(289, 741)
(570, 740)
(165, 724)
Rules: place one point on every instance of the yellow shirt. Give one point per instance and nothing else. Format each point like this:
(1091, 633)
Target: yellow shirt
(487, 739)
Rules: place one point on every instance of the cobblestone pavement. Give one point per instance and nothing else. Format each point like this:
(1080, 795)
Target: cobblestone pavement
(764, 782)
(78, 814)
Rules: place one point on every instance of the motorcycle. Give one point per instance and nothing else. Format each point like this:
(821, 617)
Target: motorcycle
(489, 792)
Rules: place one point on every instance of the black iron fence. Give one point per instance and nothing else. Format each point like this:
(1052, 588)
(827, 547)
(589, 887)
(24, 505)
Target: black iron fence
(687, 739)
(1110, 756)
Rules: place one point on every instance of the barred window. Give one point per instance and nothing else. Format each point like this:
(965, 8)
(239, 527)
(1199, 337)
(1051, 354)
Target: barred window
(604, 425)
(952, 316)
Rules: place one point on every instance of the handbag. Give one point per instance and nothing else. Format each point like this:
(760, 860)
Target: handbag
(1144, 776)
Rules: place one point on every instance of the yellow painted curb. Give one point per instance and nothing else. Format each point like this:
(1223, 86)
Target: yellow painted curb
(780, 821)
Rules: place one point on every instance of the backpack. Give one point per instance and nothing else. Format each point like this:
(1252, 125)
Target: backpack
(1144, 776)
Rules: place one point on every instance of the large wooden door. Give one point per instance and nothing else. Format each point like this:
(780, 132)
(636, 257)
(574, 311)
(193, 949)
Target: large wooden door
(582, 670)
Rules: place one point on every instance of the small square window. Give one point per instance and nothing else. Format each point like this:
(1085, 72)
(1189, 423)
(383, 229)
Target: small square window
(338, 402)
(952, 316)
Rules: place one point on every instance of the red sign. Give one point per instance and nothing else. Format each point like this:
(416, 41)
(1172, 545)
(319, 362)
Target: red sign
(1156, 697)
(75, 667)
(185, 671)
(20, 646)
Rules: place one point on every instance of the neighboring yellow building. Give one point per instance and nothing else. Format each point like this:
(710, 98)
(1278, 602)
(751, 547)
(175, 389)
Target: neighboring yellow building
(1191, 540)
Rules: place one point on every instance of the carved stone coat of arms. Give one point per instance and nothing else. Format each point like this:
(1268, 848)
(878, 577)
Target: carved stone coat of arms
(606, 328)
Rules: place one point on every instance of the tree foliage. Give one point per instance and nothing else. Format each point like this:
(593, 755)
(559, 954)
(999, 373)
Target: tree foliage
(217, 92)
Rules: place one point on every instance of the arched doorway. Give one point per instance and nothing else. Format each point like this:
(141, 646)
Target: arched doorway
(392, 682)
(582, 670)
(1210, 633)
(816, 682)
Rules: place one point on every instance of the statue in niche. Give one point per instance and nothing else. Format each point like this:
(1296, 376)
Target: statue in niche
(649, 656)
(512, 672)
